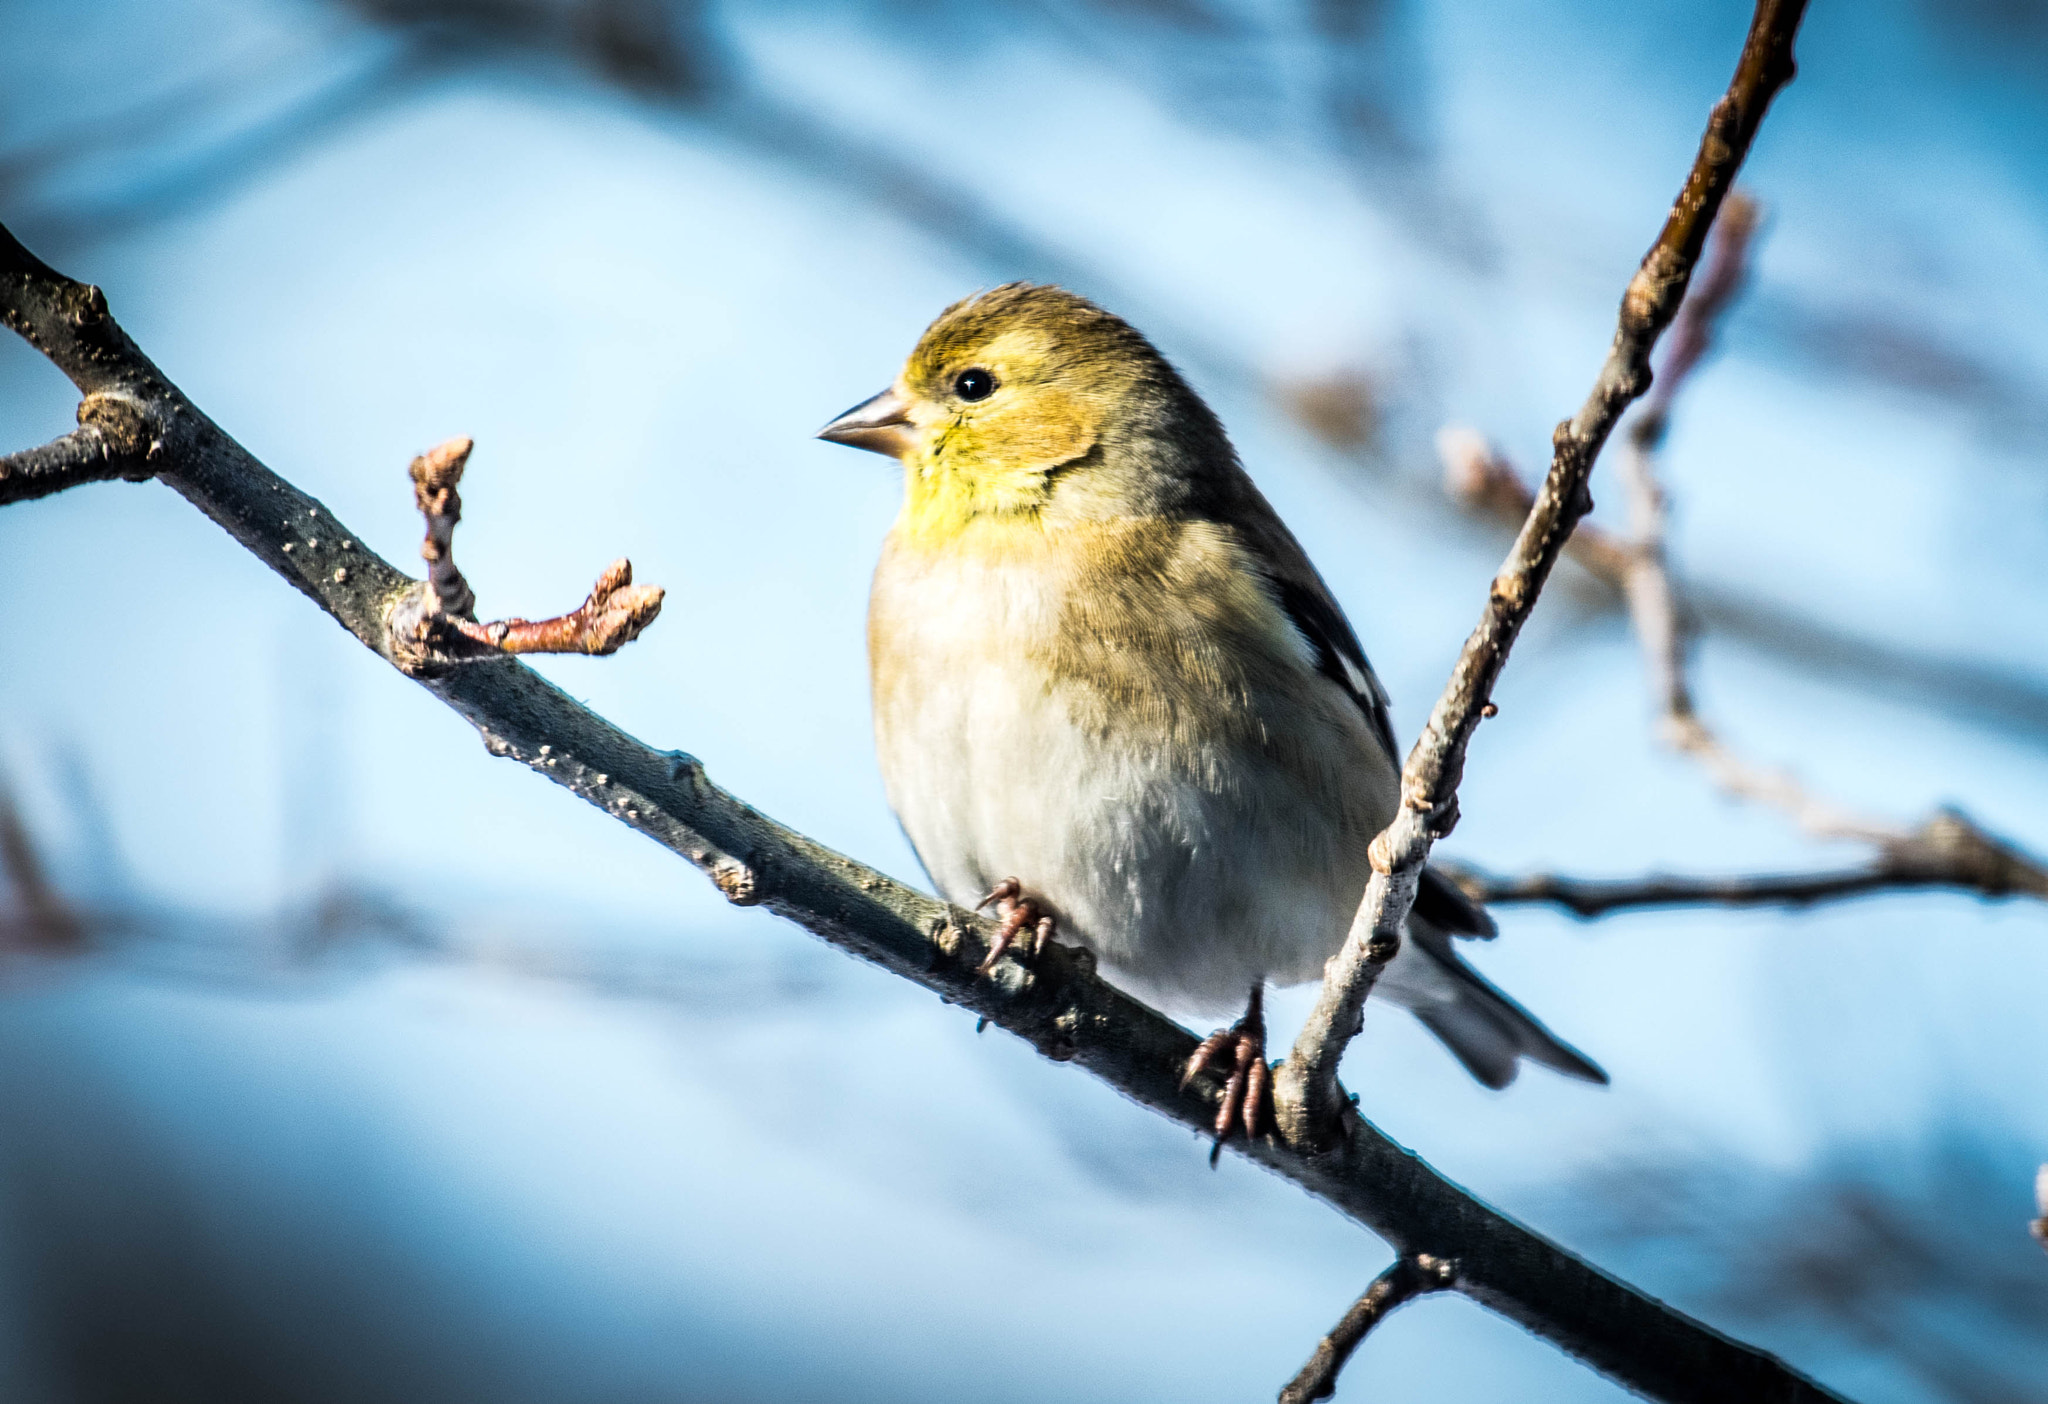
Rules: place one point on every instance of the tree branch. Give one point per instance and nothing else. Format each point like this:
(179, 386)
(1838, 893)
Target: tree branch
(91, 453)
(1407, 1279)
(82, 456)
(437, 624)
(1947, 851)
(1480, 479)
(1646, 582)
(1056, 1003)
(1310, 1102)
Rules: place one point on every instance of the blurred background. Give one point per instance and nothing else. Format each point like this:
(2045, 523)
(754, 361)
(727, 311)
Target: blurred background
(339, 1061)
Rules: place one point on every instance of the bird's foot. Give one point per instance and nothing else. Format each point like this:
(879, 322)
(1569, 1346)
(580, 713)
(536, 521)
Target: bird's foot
(1016, 914)
(1239, 1052)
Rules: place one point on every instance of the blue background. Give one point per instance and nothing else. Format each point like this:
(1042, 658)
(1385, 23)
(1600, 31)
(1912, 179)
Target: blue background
(531, 1115)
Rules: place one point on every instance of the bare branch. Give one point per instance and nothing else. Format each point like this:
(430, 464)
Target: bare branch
(437, 625)
(1947, 851)
(1310, 1102)
(1407, 1279)
(1727, 269)
(1056, 1003)
(104, 446)
(1480, 478)
(1646, 580)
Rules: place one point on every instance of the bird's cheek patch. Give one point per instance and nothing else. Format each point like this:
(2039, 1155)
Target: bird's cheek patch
(1058, 432)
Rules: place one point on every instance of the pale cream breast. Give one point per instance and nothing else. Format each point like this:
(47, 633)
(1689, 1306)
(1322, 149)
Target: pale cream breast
(1119, 716)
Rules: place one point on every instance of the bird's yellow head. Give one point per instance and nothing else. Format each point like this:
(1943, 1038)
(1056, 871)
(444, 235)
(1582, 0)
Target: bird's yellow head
(1026, 405)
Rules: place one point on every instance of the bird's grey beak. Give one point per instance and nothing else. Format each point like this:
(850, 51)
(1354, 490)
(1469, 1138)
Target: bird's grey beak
(879, 425)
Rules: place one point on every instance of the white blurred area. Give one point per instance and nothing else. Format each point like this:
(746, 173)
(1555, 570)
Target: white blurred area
(533, 1116)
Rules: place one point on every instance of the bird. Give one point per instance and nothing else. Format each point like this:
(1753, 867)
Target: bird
(1114, 700)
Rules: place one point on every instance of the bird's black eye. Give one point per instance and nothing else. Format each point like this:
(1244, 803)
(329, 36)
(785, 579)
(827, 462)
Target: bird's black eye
(974, 384)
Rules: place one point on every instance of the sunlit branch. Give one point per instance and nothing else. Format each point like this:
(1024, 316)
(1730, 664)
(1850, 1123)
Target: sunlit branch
(1310, 1102)
(1947, 850)
(438, 624)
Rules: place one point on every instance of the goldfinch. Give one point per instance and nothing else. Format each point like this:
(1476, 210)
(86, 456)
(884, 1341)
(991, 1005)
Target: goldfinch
(1112, 696)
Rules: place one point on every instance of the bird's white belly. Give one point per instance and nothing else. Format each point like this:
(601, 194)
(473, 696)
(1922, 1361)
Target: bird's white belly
(1188, 883)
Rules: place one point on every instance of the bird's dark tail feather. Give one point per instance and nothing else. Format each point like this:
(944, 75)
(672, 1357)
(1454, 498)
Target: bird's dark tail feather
(1490, 1033)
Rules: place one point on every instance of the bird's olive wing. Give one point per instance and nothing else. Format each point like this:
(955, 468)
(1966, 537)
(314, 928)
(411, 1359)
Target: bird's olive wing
(1339, 658)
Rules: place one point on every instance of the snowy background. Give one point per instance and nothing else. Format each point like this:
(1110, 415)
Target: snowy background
(394, 1073)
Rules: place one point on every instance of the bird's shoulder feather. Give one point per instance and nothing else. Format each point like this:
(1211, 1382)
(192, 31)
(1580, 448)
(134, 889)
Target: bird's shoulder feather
(1299, 590)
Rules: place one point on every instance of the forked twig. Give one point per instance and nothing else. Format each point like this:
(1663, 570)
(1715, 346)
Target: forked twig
(1400, 1284)
(1946, 850)
(1310, 1102)
(444, 610)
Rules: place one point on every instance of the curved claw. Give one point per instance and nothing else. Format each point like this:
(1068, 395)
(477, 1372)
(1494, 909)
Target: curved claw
(1204, 1054)
(1018, 912)
(1013, 922)
(1258, 1098)
(1247, 1100)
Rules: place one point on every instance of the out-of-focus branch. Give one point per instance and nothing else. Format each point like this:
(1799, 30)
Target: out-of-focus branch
(1057, 1003)
(1692, 334)
(1407, 1279)
(1309, 1100)
(440, 619)
(1947, 851)
(1646, 581)
(41, 919)
(1481, 479)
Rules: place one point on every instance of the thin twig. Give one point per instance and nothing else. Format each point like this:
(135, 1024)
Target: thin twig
(1409, 1277)
(1947, 851)
(1310, 1102)
(1692, 333)
(1476, 474)
(91, 453)
(1646, 581)
(1056, 1003)
(1480, 478)
(439, 624)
